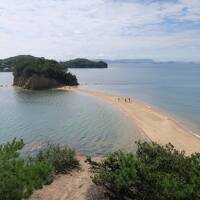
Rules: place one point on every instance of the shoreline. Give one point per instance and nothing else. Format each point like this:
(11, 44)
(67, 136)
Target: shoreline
(155, 125)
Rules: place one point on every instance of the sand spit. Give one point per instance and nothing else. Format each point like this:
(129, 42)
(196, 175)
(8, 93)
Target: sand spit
(157, 126)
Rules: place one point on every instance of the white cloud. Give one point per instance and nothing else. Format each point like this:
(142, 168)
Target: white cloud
(99, 28)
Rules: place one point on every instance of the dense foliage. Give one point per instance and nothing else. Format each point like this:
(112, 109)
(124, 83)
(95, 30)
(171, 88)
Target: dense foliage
(19, 177)
(84, 63)
(28, 66)
(61, 158)
(9, 63)
(154, 173)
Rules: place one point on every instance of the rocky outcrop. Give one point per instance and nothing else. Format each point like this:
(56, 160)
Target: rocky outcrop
(36, 82)
(39, 73)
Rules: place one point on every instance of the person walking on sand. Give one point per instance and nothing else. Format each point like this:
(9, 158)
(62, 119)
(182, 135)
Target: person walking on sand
(129, 100)
(125, 99)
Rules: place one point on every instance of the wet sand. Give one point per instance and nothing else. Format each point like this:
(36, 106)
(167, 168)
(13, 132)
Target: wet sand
(156, 126)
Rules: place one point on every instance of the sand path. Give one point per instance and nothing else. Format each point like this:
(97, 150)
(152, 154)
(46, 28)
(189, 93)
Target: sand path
(74, 186)
(67, 187)
(155, 125)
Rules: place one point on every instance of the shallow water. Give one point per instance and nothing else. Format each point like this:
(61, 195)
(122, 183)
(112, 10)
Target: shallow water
(85, 123)
(173, 88)
(90, 125)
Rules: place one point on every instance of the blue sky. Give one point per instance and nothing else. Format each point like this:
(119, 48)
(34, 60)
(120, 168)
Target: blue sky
(111, 29)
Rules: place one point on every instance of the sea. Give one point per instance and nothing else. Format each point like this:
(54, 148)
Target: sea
(90, 125)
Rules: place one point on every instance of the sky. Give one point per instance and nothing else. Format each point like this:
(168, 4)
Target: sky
(101, 29)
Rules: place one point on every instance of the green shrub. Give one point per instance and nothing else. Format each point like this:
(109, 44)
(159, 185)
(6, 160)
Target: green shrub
(154, 173)
(117, 173)
(19, 177)
(62, 158)
(166, 173)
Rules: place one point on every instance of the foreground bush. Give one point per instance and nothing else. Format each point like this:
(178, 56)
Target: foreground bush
(154, 173)
(19, 177)
(62, 158)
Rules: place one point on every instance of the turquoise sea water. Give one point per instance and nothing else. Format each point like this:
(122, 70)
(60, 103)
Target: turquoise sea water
(90, 125)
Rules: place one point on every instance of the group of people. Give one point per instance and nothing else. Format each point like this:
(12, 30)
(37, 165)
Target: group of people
(126, 99)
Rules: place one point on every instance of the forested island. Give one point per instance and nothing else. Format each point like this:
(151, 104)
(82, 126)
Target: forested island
(84, 63)
(40, 73)
(8, 64)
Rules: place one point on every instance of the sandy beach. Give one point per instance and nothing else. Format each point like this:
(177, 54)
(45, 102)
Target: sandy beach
(153, 124)
(75, 185)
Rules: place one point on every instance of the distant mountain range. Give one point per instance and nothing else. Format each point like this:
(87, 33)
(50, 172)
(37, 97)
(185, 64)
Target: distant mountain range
(148, 61)
(130, 61)
(8, 63)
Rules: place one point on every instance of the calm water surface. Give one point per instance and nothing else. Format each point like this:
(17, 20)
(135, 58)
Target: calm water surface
(84, 123)
(173, 88)
(90, 125)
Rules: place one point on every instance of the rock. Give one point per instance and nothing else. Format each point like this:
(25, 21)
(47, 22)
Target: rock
(36, 82)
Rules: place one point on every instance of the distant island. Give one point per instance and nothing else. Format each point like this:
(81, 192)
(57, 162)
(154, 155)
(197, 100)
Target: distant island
(8, 64)
(135, 61)
(84, 63)
(149, 61)
(39, 73)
